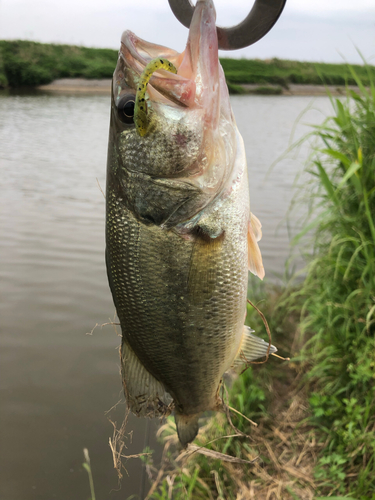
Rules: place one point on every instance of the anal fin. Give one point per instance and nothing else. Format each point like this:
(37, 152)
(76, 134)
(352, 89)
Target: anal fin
(145, 396)
(251, 348)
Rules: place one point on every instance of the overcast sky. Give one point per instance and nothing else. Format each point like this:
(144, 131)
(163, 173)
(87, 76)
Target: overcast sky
(310, 30)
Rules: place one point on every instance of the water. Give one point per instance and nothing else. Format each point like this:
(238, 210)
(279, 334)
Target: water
(56, 381)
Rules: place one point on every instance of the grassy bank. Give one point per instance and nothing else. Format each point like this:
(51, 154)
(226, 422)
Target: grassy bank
(316, 414)
(283, 72)
(24, 63)
(31, 64)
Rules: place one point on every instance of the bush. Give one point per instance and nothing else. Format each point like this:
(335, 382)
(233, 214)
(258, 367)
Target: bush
(3, 79)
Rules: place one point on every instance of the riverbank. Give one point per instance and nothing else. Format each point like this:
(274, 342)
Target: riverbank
(30, 64)
(103, 86)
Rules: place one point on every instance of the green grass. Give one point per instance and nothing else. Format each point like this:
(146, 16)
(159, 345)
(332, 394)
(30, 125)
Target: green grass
(87, 466)
(31, 63)
(25, 63)
(338, 296)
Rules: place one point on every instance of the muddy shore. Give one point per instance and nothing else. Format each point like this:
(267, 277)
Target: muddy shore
(104, 87)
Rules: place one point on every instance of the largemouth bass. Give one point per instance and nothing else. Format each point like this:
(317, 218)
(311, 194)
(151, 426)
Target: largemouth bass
(180, 236)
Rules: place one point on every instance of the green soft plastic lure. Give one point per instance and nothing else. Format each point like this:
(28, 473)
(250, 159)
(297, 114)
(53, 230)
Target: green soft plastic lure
(141, 119)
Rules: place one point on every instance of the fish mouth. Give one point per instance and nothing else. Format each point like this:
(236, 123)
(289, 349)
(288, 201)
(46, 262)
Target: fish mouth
(137, 53)
(197, 82)
(193, 101)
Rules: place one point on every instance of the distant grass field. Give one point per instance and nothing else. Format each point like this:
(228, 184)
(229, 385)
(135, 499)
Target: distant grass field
(283, 72)
(24, 63)
(30, 64)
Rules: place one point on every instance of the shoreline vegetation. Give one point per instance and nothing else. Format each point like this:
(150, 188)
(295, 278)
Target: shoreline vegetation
(72, 68)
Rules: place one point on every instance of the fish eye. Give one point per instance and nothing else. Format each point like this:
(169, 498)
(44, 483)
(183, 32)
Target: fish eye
(125, 109)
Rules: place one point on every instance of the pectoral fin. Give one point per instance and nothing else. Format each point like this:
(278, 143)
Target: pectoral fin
(145, 396)
(251, 348)
(254, 234)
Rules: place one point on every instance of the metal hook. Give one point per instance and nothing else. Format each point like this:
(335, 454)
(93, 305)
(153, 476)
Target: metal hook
(258, 23)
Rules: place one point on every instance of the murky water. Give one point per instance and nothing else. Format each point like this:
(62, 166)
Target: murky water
(56, 381)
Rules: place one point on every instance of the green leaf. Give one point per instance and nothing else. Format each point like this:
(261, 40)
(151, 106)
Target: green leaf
(341, 118)
(354, 95)
(327, 183)
(354, 167)
(87, 467)
(338, 156)
(310, 226)
(358, 82)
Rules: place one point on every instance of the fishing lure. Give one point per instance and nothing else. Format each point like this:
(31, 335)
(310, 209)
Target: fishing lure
(140, 108)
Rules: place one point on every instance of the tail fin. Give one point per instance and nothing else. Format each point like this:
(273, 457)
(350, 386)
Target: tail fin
(187, 427)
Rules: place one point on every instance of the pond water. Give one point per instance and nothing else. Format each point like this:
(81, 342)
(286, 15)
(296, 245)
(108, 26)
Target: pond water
(56, 381)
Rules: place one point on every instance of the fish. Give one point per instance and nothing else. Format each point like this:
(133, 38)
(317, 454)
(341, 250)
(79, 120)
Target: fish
(180, 237)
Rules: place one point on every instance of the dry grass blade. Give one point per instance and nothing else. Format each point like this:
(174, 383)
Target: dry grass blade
(226, 409)
(242, 415)
(100, 325)
(280, 435)
(100, 187)
(117, 444)
(280, 357)
(161, 473)
(300, 475)
(272, 455)
(217, 484)
(192, 448)
(119, 402)
(170, 482)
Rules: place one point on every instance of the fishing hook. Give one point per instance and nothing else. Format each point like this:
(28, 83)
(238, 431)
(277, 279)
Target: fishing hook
(258, 23)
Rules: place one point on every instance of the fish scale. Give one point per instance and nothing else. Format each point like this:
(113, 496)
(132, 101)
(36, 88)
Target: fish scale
(153, 297)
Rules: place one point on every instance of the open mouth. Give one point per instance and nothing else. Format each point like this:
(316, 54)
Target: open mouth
(137, 53)
(197, 82)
